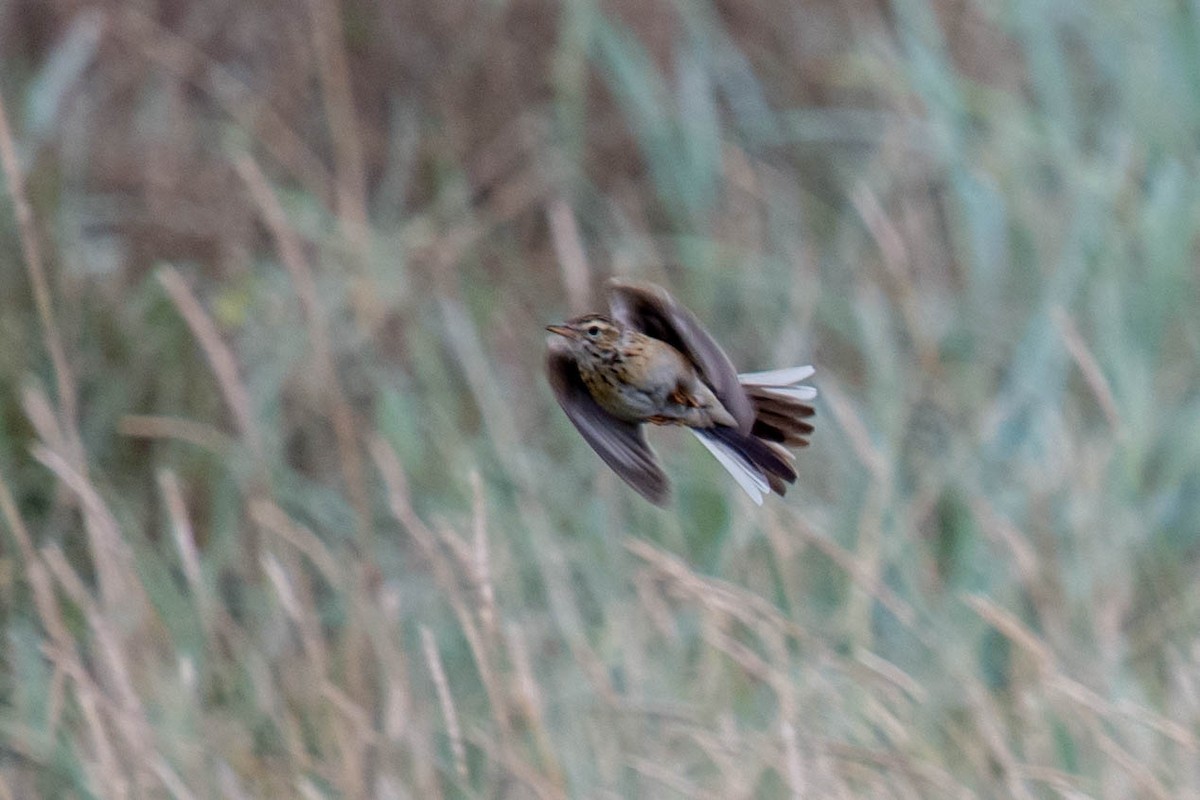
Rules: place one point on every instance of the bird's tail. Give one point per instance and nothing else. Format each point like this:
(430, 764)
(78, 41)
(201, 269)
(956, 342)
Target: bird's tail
(760, 461)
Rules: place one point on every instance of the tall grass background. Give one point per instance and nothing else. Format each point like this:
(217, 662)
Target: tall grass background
(288, 511)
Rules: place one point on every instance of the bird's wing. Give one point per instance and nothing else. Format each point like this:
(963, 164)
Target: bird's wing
(651, 310)
(621, 444)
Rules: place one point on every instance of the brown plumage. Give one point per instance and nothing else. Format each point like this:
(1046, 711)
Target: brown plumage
(651, 361)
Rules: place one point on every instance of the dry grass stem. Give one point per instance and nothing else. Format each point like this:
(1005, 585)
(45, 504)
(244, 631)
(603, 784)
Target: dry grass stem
(341, 117)
(36, 405)
(1148, 784)
(529, 701)
(892, 674)
(897, 264)
(793, 763)
(488, 615)
(294, 598)
(119, 697)
(1013, 540)
(111, 555)
(219, 356)
(198, 434)
(272, 518)
(856, 431)
(185, 537)
(449, 715)
(1089, 367)
(31, 251)
(572, 260)
(1013, 629)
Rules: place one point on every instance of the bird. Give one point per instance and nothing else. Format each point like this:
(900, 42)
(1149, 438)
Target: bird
(649, 360)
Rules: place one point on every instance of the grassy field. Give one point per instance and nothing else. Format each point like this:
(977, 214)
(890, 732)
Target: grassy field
(288, 510)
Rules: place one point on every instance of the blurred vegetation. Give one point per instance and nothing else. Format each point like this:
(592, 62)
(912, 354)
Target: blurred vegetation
(288, 511)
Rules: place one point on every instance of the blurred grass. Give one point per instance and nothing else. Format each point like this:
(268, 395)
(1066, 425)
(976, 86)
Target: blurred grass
(293, 514)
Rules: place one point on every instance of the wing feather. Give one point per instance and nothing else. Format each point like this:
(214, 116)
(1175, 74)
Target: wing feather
(621, 444)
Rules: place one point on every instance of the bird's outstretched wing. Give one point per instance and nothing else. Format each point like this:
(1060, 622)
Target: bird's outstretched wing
(651, 310)
(621, 444)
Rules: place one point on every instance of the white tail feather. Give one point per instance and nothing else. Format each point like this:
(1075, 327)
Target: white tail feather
(788, 376)
(750, 479)
(783, 383)
(802, 393)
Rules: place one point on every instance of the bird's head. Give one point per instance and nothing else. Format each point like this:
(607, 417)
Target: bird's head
(590, 335)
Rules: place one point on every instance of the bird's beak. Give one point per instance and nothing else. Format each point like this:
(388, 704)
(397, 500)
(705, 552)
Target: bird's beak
(562, 330)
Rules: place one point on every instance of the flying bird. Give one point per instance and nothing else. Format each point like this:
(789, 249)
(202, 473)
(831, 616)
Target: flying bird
(649, 360)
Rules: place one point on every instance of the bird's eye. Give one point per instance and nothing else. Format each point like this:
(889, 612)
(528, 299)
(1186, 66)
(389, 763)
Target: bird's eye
(594, 330)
